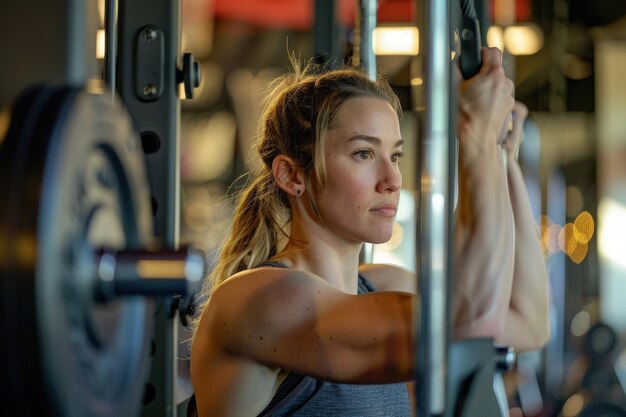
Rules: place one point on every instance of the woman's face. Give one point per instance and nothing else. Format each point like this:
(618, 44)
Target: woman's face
(363, 146)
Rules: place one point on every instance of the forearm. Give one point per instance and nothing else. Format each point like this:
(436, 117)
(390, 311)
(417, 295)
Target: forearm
(529, 307)
(483, 248)
(484, 234)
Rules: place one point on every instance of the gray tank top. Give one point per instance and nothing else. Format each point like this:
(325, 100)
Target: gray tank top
(305, 396)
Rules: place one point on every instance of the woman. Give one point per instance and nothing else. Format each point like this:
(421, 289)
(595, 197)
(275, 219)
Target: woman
(293, 326)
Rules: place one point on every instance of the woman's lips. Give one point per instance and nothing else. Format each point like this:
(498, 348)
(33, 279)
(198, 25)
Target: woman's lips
(386, 210)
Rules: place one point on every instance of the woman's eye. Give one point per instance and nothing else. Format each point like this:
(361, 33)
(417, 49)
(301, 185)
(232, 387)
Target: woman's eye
(364, 155)
(395, 158)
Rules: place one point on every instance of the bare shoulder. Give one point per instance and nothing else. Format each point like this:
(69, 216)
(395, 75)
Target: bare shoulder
(284, 318)
(250, 311)
(263, 291)
(386, 277)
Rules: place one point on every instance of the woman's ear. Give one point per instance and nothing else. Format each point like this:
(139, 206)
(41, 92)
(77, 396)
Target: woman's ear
(289, 175)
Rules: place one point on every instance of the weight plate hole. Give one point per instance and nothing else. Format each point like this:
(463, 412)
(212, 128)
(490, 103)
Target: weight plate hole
(150, 142)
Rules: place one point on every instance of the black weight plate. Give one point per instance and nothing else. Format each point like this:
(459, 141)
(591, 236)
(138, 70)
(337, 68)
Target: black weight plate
(72, 179)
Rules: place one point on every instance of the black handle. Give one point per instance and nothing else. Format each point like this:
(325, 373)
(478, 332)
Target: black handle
(471, 59)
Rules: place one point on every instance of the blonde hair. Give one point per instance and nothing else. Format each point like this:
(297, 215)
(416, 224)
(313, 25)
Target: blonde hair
(298, 111)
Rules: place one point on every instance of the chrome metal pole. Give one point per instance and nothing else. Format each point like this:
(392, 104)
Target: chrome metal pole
(110, 44)
(433, 219)
(363, 41)
(364, 55)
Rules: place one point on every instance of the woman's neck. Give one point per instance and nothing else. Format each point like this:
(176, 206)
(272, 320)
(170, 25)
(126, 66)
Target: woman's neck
(320, 252)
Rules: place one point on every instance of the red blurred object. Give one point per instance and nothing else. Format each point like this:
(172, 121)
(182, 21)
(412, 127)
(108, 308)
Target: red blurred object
(295, 14)
(298, 14)
(523, 10)
(397, 11)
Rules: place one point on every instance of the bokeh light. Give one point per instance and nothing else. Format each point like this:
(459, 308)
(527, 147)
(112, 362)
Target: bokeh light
(584, 227)
(397, 233)
(580, 323)
(572, 239)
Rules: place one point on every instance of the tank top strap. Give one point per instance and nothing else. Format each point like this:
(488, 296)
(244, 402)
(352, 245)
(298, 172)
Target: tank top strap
(365, 285)
(274, 264)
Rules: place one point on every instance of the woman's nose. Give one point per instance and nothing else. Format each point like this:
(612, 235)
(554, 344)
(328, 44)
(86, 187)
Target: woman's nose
(390, 179)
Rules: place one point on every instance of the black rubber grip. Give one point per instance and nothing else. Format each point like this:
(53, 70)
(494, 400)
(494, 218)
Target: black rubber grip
(470, 47)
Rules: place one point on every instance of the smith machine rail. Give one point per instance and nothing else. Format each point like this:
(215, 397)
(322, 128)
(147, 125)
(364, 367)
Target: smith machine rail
(458, 379)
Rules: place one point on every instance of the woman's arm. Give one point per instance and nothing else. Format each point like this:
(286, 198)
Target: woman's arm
(484, 234)
(296, 321)
(495, 233)
(527, 322)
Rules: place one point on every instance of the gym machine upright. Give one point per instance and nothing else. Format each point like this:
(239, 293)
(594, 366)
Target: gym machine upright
(463, 378)
(455, 379)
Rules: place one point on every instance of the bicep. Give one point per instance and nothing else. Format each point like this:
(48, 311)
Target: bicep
(304, 325)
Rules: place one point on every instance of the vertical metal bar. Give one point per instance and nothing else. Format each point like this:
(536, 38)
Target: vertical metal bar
(554, 375)
(557, 96)
(484, 17)
(161, 116)
(365, 57)
(433, 217)
(325, 34)
(156, 114)
(363, 43)
(110, 44)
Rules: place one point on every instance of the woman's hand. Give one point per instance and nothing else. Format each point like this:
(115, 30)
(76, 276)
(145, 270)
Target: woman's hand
(485, 103)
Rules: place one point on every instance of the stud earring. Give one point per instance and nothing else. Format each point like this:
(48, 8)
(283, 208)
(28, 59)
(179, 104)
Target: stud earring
(298, 191)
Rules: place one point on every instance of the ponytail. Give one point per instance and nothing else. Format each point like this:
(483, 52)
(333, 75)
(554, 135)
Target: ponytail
(256, 231)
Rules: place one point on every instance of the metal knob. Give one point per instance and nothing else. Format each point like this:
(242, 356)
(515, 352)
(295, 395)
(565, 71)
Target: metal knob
(504, 357)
